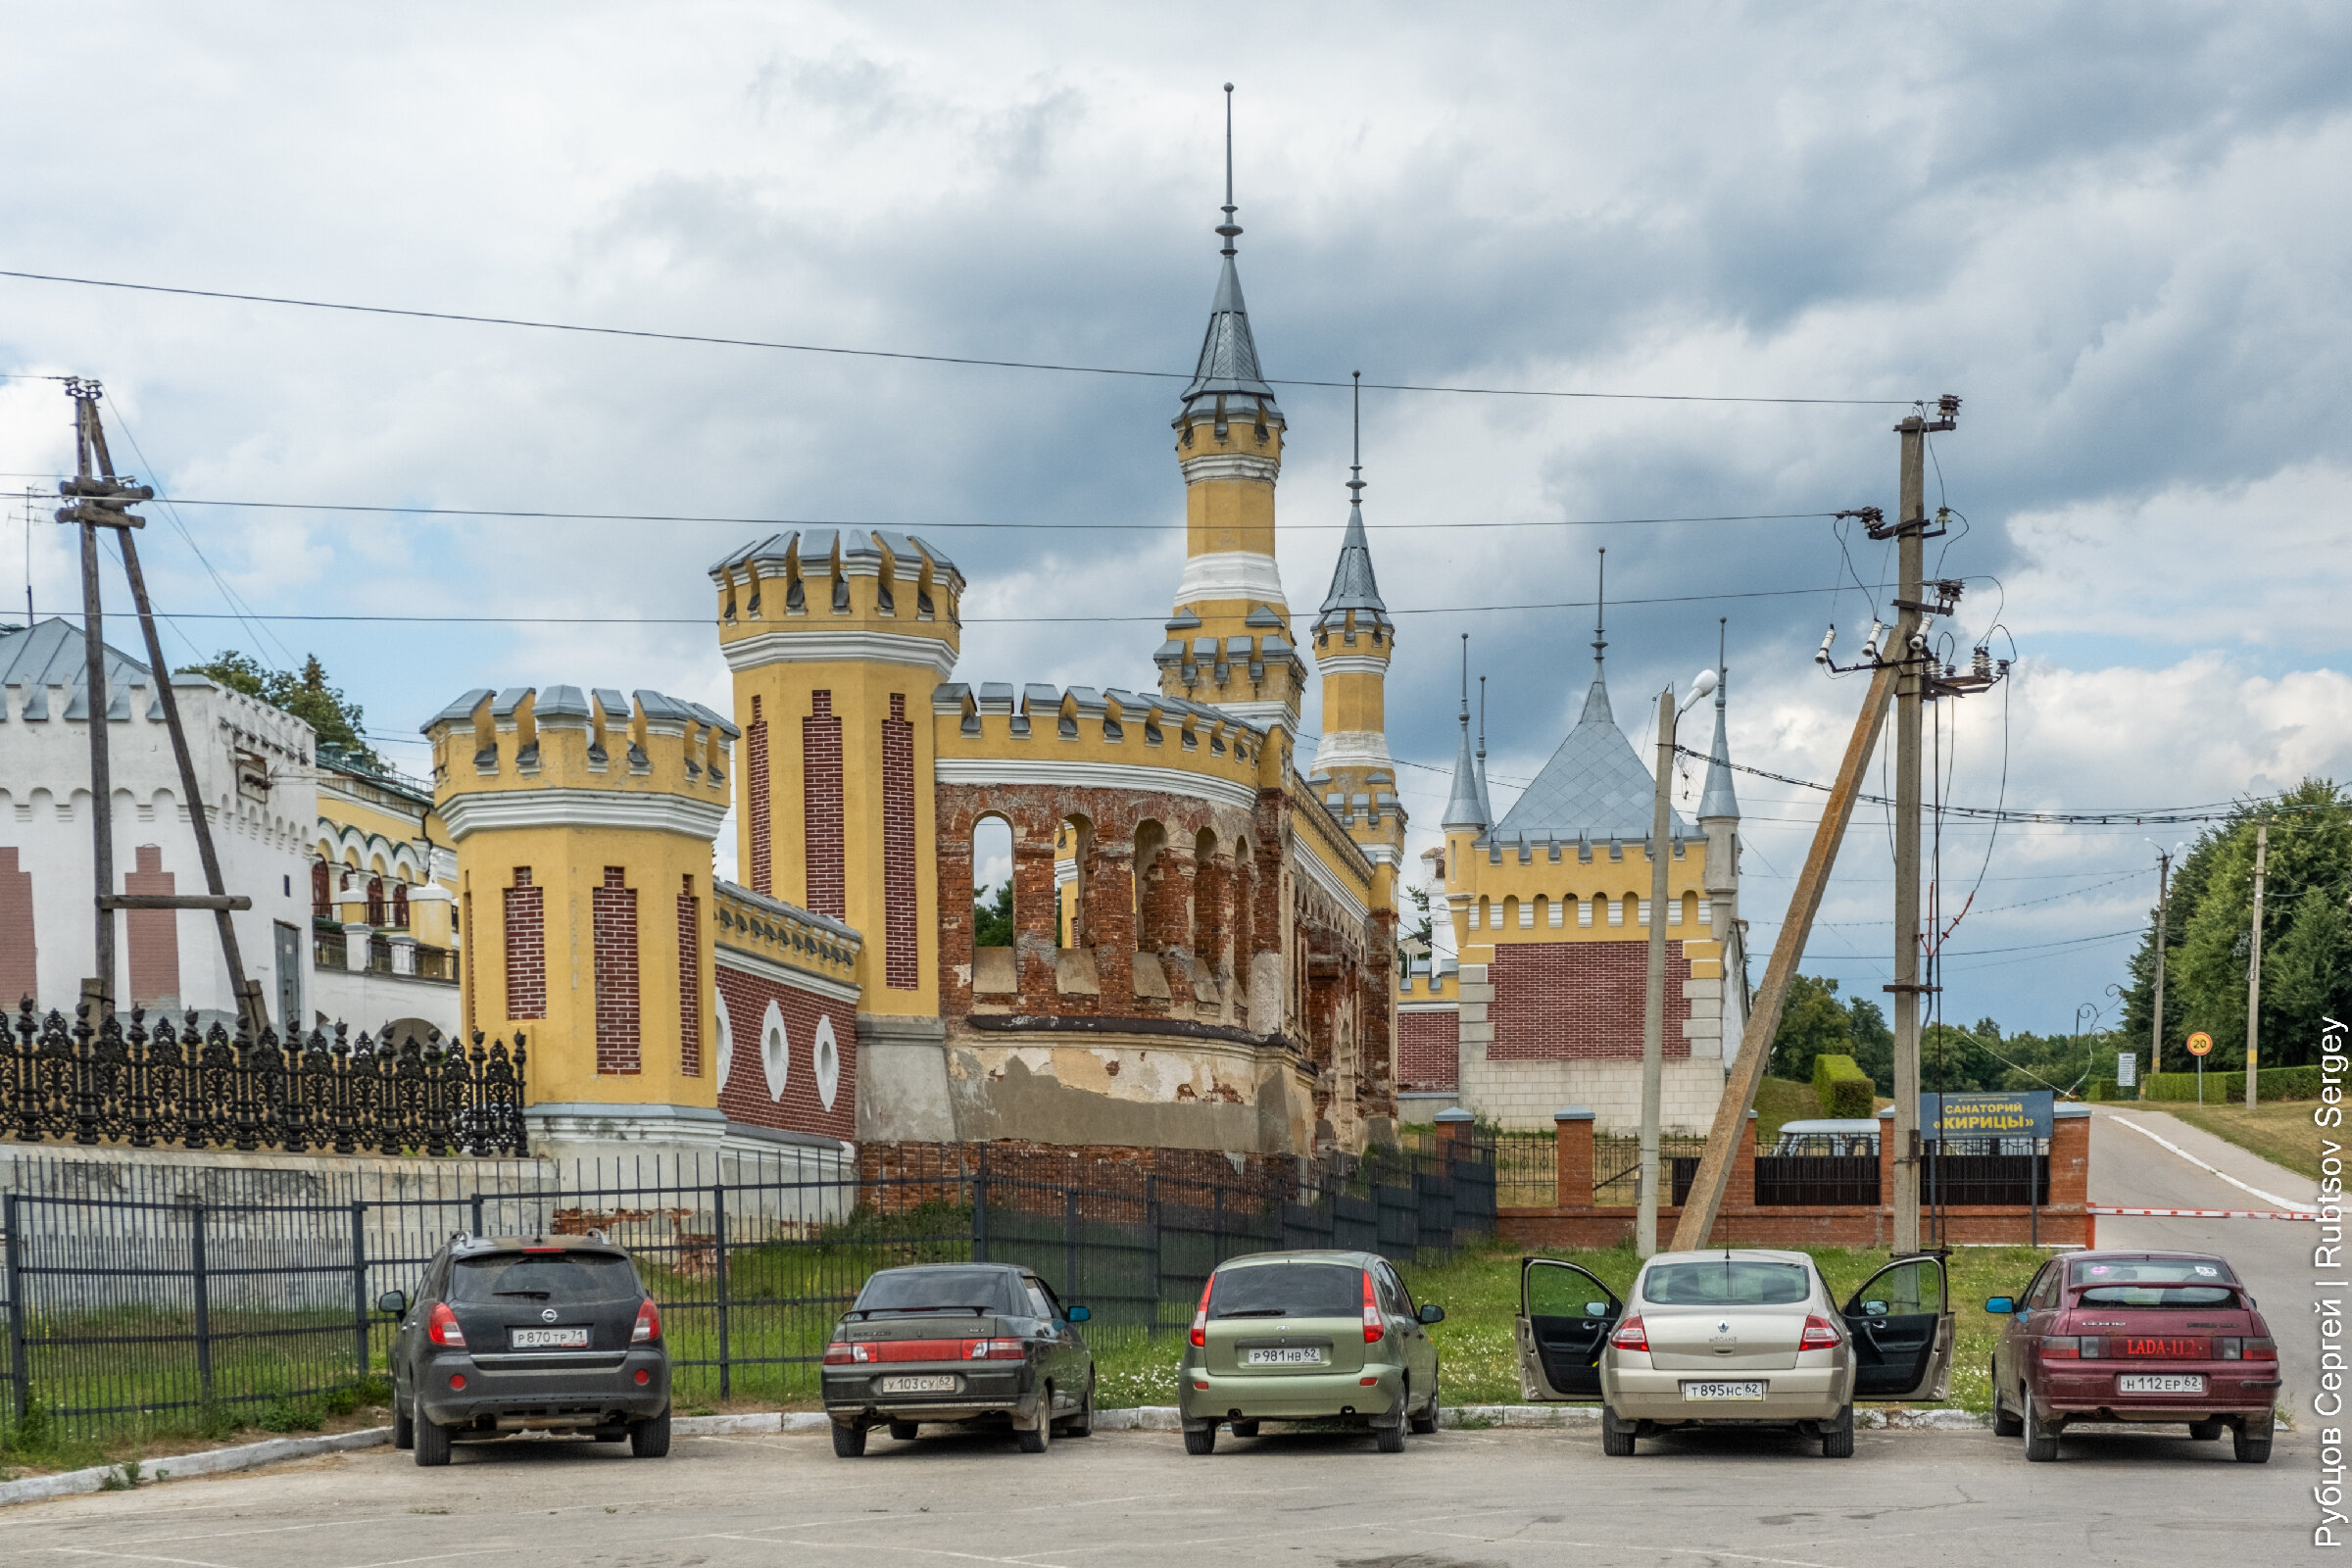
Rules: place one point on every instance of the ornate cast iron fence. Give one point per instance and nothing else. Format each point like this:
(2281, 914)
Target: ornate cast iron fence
(148, 1085)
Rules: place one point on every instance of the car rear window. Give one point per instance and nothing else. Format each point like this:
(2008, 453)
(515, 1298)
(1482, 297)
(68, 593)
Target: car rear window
(1288, 1290)
(542, 1277)
(937, 1289)
(1732, 1282)
(2151, 1271)
(2207, 1296)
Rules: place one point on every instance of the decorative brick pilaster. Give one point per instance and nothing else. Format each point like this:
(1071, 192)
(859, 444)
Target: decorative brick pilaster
(756, 785)
(1572, 1134)
(614, 913)
(822, 806)
(901, 955)
(20, 968)
(526, 948)
(151, 934)
(690, 982)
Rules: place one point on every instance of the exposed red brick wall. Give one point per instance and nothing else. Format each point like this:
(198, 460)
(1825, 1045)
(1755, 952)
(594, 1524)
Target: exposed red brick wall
(901, 968)
(756, 782)
(690, 983)
(1429, 1052)
(526, 948)
(613, 910)
(20, 972)
(152, 935)
(821, 805)
(746, 1097)
(1581, 1001)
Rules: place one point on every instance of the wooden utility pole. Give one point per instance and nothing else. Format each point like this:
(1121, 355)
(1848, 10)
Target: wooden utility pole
(96, 700)
(2262, 850)
(1705, 1198)
(102, 501)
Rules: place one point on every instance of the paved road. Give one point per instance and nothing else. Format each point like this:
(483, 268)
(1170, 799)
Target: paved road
(1458, 1499)
(2274, 1256)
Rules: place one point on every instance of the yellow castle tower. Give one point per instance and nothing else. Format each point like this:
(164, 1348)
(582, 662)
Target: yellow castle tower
(1354, 641)
(1229, 642)
(836, 639)
(583, 825)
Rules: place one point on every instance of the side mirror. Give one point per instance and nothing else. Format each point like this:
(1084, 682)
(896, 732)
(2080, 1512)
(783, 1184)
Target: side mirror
(1873, 1309)
(1597, 1310)
(1433, 1313)
(1079, 1314)
(392, 1302)
(2000, 1305)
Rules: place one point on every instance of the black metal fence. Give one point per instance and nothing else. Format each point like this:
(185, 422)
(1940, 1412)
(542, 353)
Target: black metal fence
(1823, 1180)
(124, 1080)
(141, 1295)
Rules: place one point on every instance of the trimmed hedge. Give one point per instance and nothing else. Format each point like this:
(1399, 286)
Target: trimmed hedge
(2229, 1088)
(2105, 1089)
(1843, 1089)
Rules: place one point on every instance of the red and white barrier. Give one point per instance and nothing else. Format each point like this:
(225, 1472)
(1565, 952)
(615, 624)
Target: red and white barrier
(2201, 1214)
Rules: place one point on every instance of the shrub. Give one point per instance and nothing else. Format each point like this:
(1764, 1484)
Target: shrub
(2229, 1088)
(288, 1415)
(1842, 1088)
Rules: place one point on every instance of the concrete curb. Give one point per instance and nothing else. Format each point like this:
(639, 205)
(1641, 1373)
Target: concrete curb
(1480, 1417)
(182, 1466)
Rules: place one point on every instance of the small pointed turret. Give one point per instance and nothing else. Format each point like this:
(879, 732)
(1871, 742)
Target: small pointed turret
(1719, 799)
(1463, 809)
(1354, 641)
(1486, 802)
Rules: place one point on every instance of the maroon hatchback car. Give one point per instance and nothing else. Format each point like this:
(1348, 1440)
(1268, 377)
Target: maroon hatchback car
(2154, 1337)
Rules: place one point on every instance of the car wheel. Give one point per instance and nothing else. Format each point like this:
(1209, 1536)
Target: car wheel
(2253, 1448)
(650, 1440)
(1082, 1424)
(403, 1428)
(1200, 1440)
(2041, 1445)
(1035, 1438)
(1837, 1437)
(2207, 1431)
(2005, 1422)
(1616, 1436)
(432, 1443)
(1427, 1421)
(849, 1442)
(1244, 1429)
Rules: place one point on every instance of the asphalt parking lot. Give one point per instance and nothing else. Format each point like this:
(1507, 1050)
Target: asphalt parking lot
(1452, 1500)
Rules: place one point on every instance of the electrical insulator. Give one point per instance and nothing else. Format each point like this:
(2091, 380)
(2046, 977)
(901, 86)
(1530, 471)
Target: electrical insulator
(1982, 665)
(1821, 655)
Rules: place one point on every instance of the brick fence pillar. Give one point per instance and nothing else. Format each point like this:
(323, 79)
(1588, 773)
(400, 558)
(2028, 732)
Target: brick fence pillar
(1572, 1142)
(1740, 1181)
(1886, 1153)
(2070, 1157)
(1453, 1133)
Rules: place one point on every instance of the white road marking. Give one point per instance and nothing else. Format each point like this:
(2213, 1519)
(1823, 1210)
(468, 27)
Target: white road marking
(259, 1529)
(438, 1556)
(2116, 1119)
(1626, 1546)
(882, 1545)
(134, 1556)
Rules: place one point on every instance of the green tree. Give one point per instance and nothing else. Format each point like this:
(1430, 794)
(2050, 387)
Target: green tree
(992, 918)
(339, 721)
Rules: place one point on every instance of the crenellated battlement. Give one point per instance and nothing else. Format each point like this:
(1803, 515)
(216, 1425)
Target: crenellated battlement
(828, 594)
(786, 934)
(494, 747)
(1109, 729)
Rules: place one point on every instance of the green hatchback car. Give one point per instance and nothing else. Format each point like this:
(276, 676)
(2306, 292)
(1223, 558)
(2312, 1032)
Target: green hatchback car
(1308, 1337)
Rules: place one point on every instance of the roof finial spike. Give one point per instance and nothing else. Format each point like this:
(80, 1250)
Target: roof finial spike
(1600, 613)
(1355, 430)
(1722, 669)
(1482, 718)
(1465, 680)
(1229, 228)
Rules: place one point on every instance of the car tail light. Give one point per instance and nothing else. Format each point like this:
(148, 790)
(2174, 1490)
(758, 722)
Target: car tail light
(838, 1354)
(2231, 1348)
(648, 1327)
(996, 1351)
(1820, 1334)
(1376, 1327)
(441, 1327)
(2063, 1347)
(1201, 1316)
(1631, 1336)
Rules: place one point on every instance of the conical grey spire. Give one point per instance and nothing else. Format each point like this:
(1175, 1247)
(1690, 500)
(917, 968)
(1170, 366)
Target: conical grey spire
(1228, 362)
(1353, 586)
(1463, 807)
(1718, 799)
(1486, 802)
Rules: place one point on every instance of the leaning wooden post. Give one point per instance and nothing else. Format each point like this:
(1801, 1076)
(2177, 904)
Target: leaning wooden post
(1764, 1021)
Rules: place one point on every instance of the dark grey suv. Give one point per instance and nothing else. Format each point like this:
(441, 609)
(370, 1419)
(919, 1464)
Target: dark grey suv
(546, 1332)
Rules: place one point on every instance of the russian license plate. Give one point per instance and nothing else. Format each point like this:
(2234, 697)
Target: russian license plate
(550, 1338)
(936, 1383)
(1287, 1356)
(2160, 1383)
(1724, 1391)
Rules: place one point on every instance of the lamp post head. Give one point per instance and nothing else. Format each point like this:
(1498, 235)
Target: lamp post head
(1700, 685)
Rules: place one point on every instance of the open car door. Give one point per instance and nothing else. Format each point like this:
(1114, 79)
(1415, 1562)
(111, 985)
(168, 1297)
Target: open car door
(1565, 1320)
(1903, 1328)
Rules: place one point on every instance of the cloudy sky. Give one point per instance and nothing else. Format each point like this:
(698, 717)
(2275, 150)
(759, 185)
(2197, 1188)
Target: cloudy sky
(2118, 232)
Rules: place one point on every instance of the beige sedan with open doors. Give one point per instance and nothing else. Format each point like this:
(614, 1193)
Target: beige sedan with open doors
(1734, 1337)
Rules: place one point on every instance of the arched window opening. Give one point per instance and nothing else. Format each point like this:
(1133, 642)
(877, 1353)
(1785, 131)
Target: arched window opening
(375, 901)
(400, 906)
(1151, 871)
(1073, 866)
(1210, 875)
(991, 883)
(321, 892)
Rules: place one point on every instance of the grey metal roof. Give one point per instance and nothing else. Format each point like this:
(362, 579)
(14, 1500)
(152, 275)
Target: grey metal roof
(50, 652)
(1462, 808)
(1353, 586)
(1228, 360)
(1595, 785)
(1486, 802)
(1718, 800)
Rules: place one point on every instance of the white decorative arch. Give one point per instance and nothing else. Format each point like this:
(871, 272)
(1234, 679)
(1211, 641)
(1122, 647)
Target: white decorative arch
(824, 1054)
(775, 1050)
(725, 1029)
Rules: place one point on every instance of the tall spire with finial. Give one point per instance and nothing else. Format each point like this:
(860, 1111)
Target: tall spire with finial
(1228, 366)
(1462, 807)
(1230, 229)
(1719, 798)
(1486, 802)
(1352, 585)
(1597, 697)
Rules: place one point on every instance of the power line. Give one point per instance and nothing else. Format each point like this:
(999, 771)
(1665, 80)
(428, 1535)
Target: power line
(896, 354)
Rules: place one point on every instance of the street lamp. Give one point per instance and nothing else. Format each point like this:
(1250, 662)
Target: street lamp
(2090, 1058)
(1653, 1010)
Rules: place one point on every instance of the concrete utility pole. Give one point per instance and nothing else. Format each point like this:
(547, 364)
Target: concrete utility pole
(2164, 885)
(2262, 850)
(1909, 701)
(1654, 1002)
